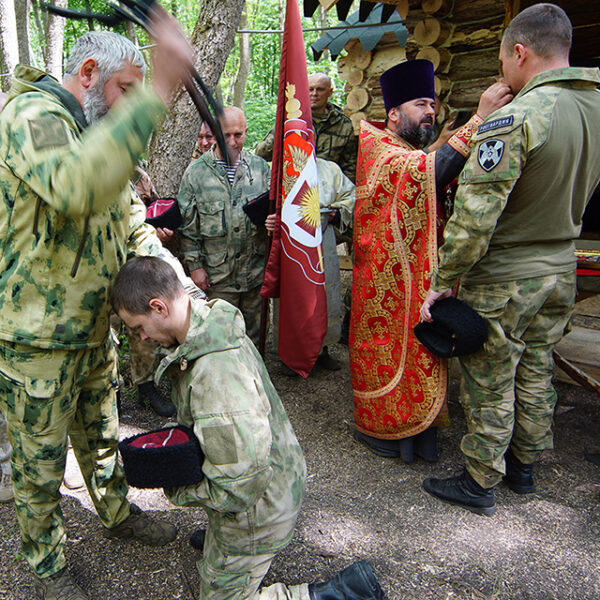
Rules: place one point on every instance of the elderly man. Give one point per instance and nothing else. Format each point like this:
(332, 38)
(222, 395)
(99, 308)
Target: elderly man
(519, 207)
(71, 220)
(223, 249)
(334, 134)
(205, 141)
(399, 386)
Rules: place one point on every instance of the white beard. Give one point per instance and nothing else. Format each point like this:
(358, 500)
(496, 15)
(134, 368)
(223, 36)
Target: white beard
(94, 103)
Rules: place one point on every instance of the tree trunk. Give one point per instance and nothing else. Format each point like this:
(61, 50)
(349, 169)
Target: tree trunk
(173, 143)
(239, 87)
(8, 40)
(22, 10)
(54, 42)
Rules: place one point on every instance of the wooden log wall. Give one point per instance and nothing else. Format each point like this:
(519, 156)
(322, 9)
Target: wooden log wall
(461, 38)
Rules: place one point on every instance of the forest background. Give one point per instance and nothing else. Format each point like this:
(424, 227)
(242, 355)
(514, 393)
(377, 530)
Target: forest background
(242, 67)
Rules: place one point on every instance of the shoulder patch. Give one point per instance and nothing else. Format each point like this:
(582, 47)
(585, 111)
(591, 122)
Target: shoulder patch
(496, 124)
(219, 444)
(489, 154)
(47, 132)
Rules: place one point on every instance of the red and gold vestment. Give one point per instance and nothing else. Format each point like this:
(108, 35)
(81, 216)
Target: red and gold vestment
(399, 386)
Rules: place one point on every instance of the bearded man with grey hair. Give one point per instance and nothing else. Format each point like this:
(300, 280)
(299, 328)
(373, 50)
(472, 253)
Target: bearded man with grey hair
(69, 220)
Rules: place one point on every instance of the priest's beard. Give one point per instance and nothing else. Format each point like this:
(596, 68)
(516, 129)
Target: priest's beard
(94, 102)
(414, 133)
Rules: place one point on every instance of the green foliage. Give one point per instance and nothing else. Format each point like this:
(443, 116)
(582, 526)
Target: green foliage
(260, 114)
(265, 52)
(263, 80)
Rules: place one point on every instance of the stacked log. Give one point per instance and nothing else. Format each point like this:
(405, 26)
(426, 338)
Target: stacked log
(461, 38)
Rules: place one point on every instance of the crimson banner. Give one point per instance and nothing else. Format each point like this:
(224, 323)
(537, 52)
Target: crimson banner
(295, 272)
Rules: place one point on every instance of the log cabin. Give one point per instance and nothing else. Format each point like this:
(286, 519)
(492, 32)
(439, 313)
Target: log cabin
(462, 40)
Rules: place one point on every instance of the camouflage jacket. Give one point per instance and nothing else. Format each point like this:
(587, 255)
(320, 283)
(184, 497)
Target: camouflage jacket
(67, 216)
(216, 233)
(335, 140)
(522, 193)
(254, 469)
(336, 191)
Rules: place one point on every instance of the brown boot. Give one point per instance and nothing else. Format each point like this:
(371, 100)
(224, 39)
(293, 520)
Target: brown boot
(143, 528)
(59, 586)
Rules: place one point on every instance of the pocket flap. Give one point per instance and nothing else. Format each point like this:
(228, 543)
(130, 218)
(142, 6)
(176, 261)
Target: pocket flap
(40, 388)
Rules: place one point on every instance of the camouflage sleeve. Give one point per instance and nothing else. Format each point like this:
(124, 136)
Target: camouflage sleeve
(236, 443)
(347, 160)
(265, 148)
(78, 176)
(485, 184)
(143, 241)
(343, 196)
(190, 230)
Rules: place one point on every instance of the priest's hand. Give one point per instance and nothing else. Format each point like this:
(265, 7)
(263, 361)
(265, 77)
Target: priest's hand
(495, 97)
(430, 300)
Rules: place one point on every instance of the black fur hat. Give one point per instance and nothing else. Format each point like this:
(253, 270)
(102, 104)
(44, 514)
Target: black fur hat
(164, 212)
(456, 329)
(169, 457)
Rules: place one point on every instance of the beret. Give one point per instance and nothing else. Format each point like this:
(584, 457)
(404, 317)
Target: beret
(169, 457)
(164, 212)
(456, 329)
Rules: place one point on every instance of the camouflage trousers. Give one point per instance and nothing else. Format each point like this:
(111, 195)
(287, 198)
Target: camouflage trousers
(249, 303)
(46, 396)
(225, 576)
(506, 388)
(142, 357)
(142, 354)
(4, 446)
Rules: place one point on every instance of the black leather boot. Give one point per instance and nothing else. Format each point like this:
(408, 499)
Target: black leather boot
(519, 476)
(197, 539)
(425, 445)
(385, 448)
(345, 328)
(159, 403)
(464, 491)
(356, 582)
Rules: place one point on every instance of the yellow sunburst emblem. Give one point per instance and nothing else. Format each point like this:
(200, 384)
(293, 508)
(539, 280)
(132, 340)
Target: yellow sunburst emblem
(309, 205)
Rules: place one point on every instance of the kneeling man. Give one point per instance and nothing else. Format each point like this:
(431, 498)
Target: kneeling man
(254, 468)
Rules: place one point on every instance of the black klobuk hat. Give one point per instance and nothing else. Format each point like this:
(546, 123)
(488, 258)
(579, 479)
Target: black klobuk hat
(456, 329)
(169, 457)
(407, 81)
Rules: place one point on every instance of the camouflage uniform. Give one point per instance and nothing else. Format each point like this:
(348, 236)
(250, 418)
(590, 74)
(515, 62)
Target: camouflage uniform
(218, 236)
(254, 469)
(510, 241)
(5, 471)
(335, 139)
(68, 219)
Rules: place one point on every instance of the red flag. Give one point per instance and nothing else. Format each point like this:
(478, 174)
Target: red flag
(294, 271)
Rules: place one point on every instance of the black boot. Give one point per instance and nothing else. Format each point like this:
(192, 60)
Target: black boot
(464, 491)
(345, 328)
(327, 362)
(426, 445)
(159, 403)
(519, 476)
(356, 582)
(197, 539)
(385, 448)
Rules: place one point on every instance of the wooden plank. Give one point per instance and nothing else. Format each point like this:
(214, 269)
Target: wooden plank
(474, 10)
(576, 374)
(581, 350)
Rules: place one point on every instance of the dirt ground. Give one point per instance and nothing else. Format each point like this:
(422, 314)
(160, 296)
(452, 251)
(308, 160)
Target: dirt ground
(358, 505)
